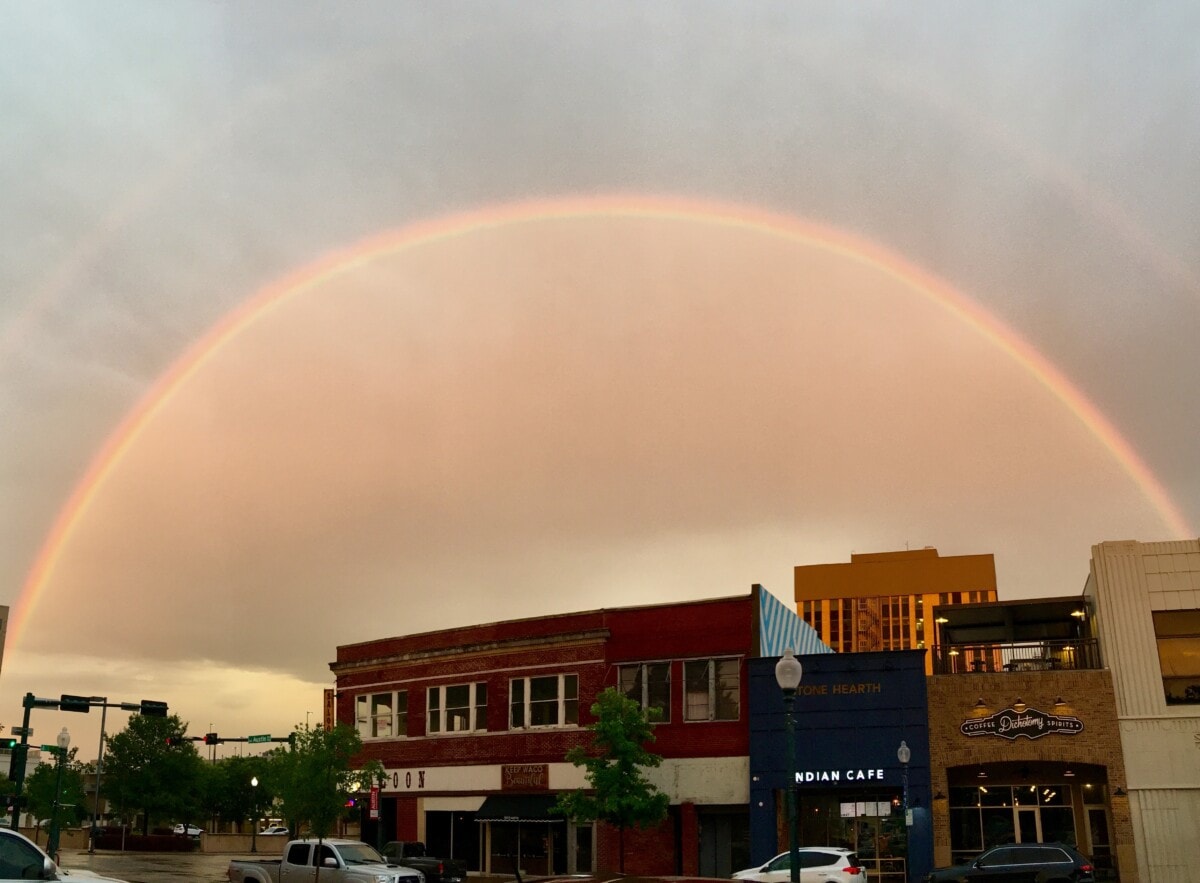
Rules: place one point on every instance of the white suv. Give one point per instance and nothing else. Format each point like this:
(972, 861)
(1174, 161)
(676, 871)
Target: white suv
(818, 864)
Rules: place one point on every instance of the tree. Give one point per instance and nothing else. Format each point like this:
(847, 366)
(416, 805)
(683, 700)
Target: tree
(152, 768)
(620, 793)
(230, 794)
(39, 791)
(313, 779)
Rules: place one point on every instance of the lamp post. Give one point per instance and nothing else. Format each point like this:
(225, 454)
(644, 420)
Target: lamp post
(64, 742)
(788, 672)
(904, 755)
(254, 813)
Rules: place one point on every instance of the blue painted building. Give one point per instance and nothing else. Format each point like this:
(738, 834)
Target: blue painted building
(852, 711)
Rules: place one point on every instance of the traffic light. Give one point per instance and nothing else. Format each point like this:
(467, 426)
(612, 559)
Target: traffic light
(75, 703)
(8, 744)
(150, 708)
(212, 739)
(175, 741)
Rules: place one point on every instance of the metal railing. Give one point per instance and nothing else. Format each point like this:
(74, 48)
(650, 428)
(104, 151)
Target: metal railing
(1016, 656)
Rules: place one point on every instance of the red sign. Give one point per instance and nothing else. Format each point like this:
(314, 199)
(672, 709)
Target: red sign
(374, 801)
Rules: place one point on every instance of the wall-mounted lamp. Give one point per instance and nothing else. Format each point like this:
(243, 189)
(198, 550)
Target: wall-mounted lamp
(939, 796)
(981, 705)
(1059, 702)
(1019, 705)
(1069, 773)
(1079, 614)
(953, 652)
(982, 774)
(1120, 792)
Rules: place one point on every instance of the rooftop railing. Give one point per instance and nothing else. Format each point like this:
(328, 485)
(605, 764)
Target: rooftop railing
(1016, 656)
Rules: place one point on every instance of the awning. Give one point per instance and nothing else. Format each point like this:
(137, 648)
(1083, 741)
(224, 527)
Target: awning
(518, 808)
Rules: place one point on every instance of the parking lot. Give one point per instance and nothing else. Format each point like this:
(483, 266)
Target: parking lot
(152, 867)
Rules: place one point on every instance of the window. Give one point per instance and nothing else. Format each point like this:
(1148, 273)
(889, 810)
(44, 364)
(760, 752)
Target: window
(1178, 634)
(461, 708)
(381, 715)
(712, 691)
(648, 684)
(544, 701)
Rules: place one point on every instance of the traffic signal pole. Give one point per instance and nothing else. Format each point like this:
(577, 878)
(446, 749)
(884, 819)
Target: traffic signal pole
(66, 702)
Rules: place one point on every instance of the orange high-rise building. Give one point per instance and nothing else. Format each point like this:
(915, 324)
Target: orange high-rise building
(886, 600)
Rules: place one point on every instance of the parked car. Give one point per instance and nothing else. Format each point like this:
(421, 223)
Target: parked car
(1032, 862)
(818, 864)
(189, 830)
(412, 854)
(274, 831)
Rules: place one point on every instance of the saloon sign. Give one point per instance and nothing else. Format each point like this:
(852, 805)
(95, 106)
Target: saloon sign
(1030, 723)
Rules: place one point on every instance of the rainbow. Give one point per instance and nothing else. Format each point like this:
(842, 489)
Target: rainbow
(277, 294)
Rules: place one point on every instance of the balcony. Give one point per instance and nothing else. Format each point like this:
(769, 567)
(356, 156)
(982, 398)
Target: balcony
(1016, 656)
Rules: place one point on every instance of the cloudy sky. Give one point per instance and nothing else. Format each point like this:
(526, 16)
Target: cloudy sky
(326, 322)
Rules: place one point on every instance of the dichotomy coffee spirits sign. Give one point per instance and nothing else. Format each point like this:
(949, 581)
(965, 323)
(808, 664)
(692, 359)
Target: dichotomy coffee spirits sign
(1030, 723)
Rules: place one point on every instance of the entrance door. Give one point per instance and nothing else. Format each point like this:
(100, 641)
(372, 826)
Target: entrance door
(1028, 825)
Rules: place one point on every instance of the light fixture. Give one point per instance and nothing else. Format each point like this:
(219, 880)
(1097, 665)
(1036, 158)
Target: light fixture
(1079, 614)
(941, 620)
(1059, 702)
(982, 774)
(981, 705)
(953, 652)
(939, 796)
(982, 790)
(1069, 773)
(1120, 792)
(1019, 705)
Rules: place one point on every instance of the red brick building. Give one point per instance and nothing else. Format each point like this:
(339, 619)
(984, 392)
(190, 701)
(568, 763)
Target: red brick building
(472, 725)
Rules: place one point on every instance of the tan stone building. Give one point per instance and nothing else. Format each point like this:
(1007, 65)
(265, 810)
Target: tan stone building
(1147, 603)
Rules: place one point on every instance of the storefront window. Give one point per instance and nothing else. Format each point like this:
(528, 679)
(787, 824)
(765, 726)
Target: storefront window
(988, 815)
(1178, 635)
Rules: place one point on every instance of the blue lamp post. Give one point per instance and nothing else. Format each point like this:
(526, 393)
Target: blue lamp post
(904, 755)
(788, 672)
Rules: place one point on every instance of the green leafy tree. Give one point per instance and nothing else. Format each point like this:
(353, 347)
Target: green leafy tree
(39, 791)
(232, 797)
(144, 772)
(313, 778)
(614, 762)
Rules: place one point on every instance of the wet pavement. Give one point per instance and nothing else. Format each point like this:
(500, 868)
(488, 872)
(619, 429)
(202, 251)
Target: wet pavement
(153, 867)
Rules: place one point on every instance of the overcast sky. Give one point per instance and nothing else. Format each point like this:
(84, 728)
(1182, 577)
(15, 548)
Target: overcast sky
(714, 290)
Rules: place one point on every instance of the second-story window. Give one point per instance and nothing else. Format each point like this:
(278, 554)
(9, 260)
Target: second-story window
(381, 715)
(712, 691)
(461, 708)
(648, 684)
(544, 701)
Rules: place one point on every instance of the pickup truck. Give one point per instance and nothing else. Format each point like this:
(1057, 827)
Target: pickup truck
(332, 861)
(411, 853)
(22, 859)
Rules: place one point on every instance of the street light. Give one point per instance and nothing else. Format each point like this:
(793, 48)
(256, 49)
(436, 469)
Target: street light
(904, 755)
(64, 742)
(254, 812)
(788, 672)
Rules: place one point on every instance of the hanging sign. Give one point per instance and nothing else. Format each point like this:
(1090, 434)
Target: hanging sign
(1031, 723)
(374, 801)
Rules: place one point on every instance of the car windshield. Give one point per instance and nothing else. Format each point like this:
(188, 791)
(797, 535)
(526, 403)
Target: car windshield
(360, 854)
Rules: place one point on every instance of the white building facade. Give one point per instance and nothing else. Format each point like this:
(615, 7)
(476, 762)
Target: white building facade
(1146, 600)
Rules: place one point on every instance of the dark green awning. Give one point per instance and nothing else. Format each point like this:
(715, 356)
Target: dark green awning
(518, 808)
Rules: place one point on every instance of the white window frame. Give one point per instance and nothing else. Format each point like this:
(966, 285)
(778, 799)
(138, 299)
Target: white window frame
(641, 686)
(437, 709)
(712, 679)
(373, 724)
(520, 699)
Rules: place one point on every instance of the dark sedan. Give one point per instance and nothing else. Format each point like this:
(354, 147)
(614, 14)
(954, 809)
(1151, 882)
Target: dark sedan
(1022, 863)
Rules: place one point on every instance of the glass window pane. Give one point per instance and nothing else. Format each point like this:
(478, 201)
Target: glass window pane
(728, 690)
(695, 685)
(516, 704)
(402, 713)
(658, 689)
(542, 689)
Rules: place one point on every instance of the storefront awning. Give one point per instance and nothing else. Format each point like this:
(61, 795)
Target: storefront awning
(518, 808)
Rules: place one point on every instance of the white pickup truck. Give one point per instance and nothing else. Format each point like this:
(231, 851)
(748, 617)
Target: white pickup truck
(22, 859)
(337, 861)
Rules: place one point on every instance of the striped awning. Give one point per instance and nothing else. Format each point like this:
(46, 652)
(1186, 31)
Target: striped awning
(518, 808)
